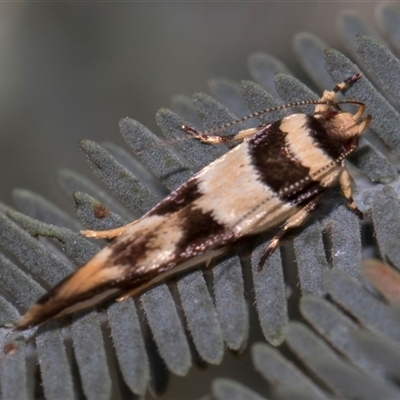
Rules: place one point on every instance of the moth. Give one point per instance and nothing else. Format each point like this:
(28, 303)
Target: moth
(275, 177)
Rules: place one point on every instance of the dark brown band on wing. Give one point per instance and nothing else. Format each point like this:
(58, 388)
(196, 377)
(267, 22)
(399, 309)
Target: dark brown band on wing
(318, 129)
(276, 166)
(129, 250)
(200, 230)
(178, 199)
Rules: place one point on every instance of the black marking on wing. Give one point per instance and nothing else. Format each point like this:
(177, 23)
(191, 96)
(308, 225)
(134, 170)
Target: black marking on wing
(129, 250)
(276, 165)
(318, 129)
(178, 199)
(200, 230)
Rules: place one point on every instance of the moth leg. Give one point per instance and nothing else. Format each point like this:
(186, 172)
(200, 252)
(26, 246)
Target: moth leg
(363, 123)
(346, 184)
(109, 234)
(215, 139)
(245, 133)
(359, 112)
(292, 222)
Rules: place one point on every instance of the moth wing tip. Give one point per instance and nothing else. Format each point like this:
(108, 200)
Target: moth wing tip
(36, 315)
(27, 321)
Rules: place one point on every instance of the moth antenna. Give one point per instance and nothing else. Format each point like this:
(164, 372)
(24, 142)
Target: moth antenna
(339, 87)
(187, 128)
(163, 143)
(359, 103)
(347, 82)
(256, 114)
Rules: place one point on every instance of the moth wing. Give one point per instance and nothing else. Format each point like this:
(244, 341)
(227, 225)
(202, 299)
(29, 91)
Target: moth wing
(78, 291)
(144, 251)
(99, 279)
(218, 206)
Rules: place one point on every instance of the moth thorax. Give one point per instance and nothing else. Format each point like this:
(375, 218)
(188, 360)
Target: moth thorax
(343, 127)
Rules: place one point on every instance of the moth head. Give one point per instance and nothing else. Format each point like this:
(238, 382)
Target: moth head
(345, 126)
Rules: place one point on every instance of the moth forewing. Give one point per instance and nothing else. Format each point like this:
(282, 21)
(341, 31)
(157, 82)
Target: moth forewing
(274, 177)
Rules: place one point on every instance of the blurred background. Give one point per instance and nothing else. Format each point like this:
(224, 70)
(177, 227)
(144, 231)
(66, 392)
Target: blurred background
(71, 70)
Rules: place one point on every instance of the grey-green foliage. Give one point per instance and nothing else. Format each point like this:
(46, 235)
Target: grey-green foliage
(345, 355)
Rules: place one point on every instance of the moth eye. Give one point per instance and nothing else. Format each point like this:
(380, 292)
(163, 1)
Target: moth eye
(351, 143)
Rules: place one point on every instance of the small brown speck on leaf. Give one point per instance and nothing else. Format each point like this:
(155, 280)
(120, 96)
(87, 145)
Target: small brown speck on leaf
(100, 211)
(9, 348)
